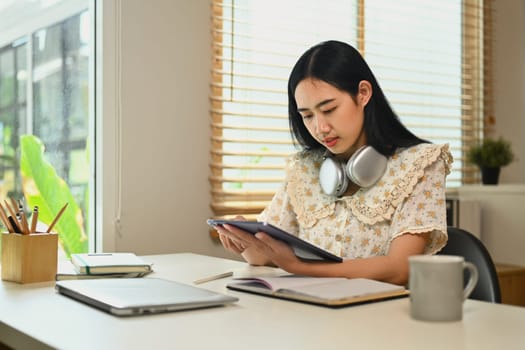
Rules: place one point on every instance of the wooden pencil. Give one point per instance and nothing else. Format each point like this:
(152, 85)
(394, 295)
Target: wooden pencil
(23, 222)
(34, 219)
(6, 222)
(11, 211)
(15, 204)
(56, 218)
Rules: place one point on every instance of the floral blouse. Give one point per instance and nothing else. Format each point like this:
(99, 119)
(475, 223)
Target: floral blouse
(409, 198)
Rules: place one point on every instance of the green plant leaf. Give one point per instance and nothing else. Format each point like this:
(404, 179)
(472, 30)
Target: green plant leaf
(491, 153)
(44, 188)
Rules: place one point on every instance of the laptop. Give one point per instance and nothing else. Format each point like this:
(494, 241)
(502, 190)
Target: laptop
(139, 296)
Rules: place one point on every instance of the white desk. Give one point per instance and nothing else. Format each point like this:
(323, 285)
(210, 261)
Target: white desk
(34, 316)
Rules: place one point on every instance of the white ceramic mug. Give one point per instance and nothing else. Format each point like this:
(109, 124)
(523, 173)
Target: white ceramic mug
(436, 286)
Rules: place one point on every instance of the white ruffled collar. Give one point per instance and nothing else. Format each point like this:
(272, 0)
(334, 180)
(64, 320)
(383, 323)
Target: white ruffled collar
(370, 205)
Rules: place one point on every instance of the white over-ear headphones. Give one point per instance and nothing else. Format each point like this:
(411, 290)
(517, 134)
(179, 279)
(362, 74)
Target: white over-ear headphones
(364, 168)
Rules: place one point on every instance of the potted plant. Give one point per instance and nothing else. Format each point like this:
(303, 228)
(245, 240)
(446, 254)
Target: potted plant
(490, 156)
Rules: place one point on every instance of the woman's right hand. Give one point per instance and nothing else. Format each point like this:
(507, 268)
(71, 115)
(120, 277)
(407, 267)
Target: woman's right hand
(248, 252)
(229, 243)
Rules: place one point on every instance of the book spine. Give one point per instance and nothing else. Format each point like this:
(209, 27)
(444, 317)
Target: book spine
(83, 264)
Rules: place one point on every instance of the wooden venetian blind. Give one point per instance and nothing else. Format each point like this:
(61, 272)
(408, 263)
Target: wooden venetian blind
(431, 58)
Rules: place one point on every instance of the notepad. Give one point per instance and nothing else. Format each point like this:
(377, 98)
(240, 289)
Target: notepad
(103, 263)
(320, 290)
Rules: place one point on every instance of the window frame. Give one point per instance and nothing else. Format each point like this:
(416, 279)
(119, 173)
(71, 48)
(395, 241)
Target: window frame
(23, 33)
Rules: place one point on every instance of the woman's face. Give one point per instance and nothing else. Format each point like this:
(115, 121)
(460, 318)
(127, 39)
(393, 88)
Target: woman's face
(332, 116)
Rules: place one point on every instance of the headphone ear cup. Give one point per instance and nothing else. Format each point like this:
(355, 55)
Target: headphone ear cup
(366, 166)
(332, 177)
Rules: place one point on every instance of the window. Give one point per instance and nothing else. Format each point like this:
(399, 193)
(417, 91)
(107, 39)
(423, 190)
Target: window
(45, 91)
(429, 57)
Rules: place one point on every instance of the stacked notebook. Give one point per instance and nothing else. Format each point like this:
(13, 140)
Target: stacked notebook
(103, 265)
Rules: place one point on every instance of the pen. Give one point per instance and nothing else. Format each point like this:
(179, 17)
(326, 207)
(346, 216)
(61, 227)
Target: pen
(34, 219)
(23, 219)
(214, 277)
(56, 218)
(13, 223)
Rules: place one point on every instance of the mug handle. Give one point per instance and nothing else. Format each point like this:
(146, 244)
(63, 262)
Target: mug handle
(473, 278)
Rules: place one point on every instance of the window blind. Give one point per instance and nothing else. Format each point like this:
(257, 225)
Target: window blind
(431, 58)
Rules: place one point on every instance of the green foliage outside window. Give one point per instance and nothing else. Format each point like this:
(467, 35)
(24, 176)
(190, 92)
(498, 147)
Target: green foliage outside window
(42, 187)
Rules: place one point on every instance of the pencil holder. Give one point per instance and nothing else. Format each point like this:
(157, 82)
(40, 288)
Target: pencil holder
(29, 258)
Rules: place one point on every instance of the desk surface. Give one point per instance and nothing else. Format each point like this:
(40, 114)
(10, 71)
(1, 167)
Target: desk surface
(35, 316)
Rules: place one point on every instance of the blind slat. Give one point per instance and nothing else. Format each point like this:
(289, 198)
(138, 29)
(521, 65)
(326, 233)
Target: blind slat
(250, 153)
(247, 141)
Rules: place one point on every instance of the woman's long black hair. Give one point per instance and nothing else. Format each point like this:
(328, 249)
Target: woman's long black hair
(343, 67)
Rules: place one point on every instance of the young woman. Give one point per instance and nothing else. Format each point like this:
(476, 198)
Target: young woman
(393, 208)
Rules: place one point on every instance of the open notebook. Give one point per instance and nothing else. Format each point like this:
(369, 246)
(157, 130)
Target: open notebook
(320, 290)
(138, 296)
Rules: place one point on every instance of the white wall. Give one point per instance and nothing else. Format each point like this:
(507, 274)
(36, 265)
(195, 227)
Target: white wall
(509, 78)
(501, 221)
(164, 66)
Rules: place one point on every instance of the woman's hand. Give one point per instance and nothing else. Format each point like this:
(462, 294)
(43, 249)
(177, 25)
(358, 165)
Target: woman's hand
(228, 243)
(231, 239)
(261, 245)
(279, 253)
(259, 249)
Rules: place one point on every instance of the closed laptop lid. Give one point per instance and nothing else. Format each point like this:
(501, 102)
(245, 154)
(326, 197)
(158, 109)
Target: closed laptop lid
(137, 296)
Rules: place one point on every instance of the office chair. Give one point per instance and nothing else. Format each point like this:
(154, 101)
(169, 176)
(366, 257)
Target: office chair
(465, 244)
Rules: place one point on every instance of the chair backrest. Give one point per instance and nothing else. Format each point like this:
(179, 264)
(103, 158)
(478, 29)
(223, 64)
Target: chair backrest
(465, 244)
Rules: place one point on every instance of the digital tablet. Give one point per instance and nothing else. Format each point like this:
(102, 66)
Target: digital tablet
(302, 249)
